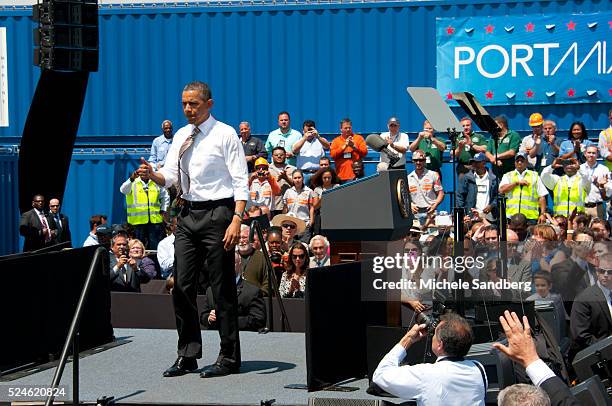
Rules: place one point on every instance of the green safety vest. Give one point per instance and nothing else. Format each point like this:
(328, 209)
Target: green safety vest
(143, 207)
(577, 195)
(524, 200)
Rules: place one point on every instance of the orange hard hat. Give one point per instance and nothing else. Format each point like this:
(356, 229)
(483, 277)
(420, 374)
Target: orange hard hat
(260, 162)
(535, 120)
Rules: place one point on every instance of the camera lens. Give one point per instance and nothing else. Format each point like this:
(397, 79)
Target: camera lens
(422, 318)
(275, 257)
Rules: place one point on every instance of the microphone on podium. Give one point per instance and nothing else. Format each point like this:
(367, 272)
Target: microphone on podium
(377, 143)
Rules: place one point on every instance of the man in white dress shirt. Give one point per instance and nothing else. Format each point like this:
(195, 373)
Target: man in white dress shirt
(451, 380)
(601, 187)
(397, 142)
(206, 161)
(165, 252)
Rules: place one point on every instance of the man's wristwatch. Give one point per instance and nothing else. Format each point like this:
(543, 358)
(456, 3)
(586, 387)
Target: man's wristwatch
(239, 215)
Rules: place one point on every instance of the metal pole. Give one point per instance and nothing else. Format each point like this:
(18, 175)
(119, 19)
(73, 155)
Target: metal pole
(457, 252)
(75, 369)
(272, 282)
(74, 325)
(256, 228)
(458, 228)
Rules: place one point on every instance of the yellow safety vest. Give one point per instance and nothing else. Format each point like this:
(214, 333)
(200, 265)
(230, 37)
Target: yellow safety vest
(607, 138)
(524, 200)
(576, 193)
(143, 207)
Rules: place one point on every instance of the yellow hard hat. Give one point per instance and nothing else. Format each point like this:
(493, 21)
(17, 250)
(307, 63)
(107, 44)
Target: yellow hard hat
(261, 161)
(535, 120)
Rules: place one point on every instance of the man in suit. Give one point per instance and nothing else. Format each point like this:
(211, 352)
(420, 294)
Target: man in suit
(575, 274)
(125, 273)
(61, 222)
(521, 349)
(251, 306)
(591, 318)
(35, 227)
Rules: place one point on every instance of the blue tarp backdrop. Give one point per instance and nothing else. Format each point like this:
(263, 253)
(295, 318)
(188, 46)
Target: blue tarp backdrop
(527, 59)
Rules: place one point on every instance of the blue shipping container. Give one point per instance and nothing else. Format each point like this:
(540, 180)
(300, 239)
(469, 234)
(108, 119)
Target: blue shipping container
(319, 61)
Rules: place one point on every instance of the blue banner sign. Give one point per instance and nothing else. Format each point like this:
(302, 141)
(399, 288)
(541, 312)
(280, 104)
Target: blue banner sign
(563, 58)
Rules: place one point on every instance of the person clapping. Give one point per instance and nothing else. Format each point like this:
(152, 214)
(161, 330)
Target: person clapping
(293, 280)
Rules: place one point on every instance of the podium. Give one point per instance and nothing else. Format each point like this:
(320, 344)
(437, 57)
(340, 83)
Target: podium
(367, 218)
(375, 208)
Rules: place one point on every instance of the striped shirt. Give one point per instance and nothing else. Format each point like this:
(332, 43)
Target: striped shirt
(299, 203)
(424, 190)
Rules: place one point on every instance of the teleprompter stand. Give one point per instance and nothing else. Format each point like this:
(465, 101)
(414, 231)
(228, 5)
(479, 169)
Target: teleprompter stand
(485, 122)
(440, 116)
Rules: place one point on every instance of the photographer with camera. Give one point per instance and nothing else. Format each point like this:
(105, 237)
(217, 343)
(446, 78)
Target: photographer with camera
(451, 380)
(124, 277)
(262, 188)
(275, 248)
(309, 149)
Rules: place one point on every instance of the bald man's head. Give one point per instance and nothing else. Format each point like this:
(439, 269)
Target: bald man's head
(512, 236)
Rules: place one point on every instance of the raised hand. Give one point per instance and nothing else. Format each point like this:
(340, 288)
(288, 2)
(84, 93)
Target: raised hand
(521, 347)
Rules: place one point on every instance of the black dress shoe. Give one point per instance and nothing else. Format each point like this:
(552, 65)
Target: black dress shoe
(218, 370)
(181, 366)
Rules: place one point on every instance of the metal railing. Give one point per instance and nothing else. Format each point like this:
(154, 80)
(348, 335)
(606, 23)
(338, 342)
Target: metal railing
(73, 337)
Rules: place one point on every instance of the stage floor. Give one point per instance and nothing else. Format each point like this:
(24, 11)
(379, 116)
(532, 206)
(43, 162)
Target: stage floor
(132, 372)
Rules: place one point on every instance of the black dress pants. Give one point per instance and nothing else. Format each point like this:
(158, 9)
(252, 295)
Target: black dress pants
(199, 241)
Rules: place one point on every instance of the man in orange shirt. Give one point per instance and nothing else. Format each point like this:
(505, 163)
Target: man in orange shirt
(346, 149)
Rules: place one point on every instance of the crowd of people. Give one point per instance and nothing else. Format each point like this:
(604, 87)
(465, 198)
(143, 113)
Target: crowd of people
(552, 191)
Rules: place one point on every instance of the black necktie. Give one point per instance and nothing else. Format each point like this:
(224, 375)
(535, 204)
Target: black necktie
(58, 221)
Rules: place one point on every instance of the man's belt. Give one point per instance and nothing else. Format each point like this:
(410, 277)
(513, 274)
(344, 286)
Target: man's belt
(310, 170)
(591, 205)
(209, 204)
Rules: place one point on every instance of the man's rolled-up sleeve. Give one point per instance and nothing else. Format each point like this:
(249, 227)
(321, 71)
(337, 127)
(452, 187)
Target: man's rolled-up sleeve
(236, 164)
(405, 382)
(170, 168)
(549, 178)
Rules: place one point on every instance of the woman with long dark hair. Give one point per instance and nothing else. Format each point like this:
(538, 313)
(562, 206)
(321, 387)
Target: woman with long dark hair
(324, 179)
(293, 280)
(576, 143)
